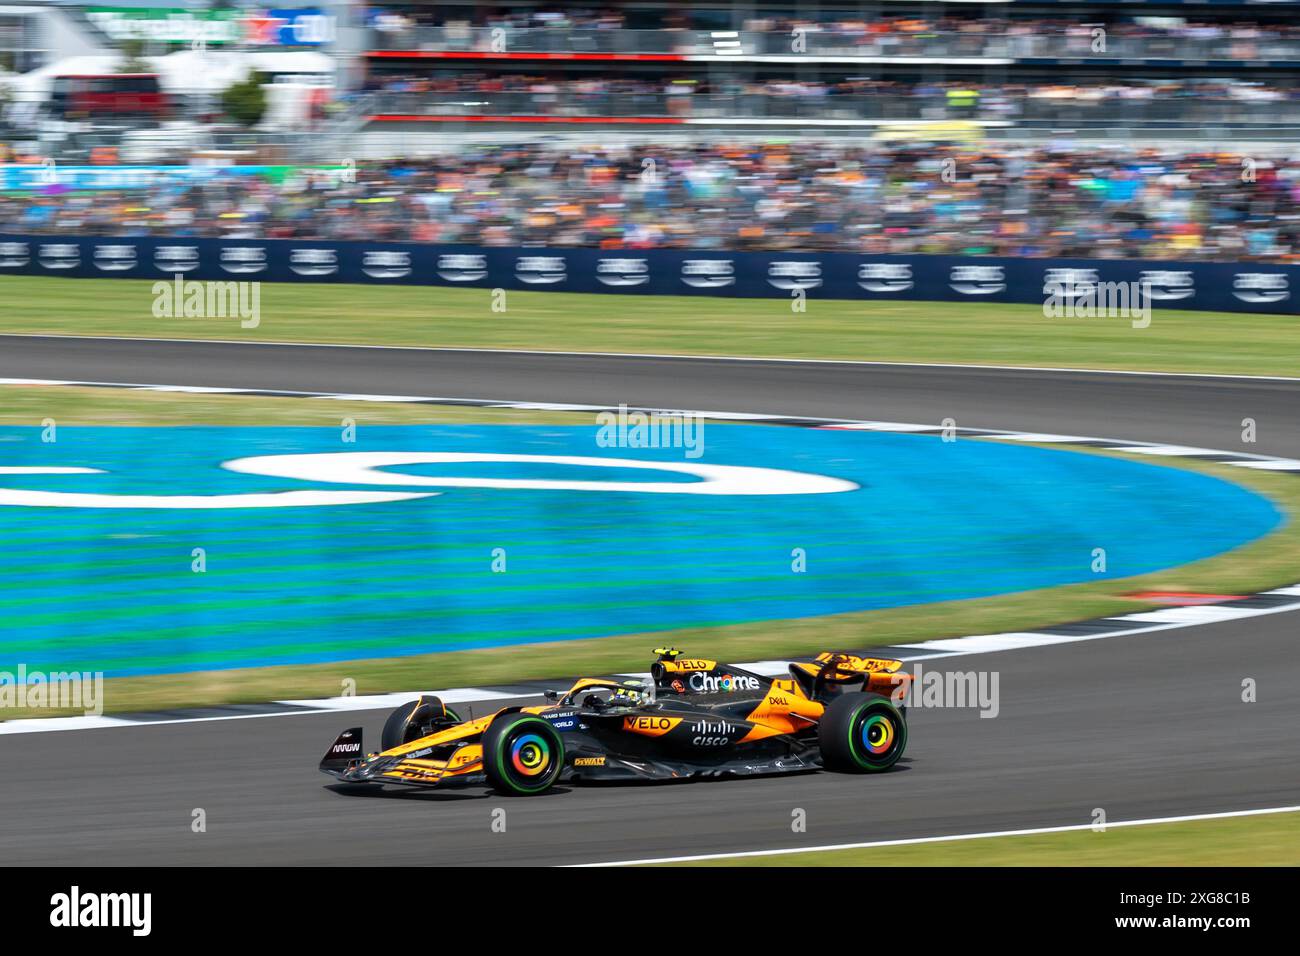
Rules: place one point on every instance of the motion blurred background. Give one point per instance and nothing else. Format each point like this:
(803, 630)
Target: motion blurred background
(1096, 129)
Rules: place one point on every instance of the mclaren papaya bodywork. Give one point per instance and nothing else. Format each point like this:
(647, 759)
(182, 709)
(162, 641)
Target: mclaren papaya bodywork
(694, 718)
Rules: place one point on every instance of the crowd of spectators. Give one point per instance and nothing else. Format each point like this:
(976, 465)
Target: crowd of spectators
(735, 96)
(879, 36)
(1241, 40)
(471, 82)
(883, 198)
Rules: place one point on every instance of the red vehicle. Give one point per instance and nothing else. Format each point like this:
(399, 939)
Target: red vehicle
(109, 95)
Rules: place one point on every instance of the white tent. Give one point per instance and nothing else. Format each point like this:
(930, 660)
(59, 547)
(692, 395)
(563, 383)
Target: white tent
(211, 71)
(186, 71)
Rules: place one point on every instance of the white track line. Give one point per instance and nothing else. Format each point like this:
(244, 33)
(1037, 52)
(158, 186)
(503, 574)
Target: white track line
(322, 705)
(665, 355)
(1280, 464)
(456, 695)
(1152, 622)
(957, 838)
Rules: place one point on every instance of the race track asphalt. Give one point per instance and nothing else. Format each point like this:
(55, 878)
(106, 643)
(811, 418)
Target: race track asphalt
(1148, 726)
(1187, 410)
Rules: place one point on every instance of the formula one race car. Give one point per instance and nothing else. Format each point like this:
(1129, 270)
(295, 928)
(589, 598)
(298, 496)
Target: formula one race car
(695, 718)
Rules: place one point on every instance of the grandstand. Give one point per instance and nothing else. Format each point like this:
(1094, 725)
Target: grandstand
(1099, 130)
(1011, 69)
(409, 76)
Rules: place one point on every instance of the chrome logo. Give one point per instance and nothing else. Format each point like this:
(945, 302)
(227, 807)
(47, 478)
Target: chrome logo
(530, 755)
(725, 683)
(878, 733)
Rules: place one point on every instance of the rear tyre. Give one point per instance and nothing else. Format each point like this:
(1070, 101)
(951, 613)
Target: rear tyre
(862, 733)
(417, 719)
(522, 755)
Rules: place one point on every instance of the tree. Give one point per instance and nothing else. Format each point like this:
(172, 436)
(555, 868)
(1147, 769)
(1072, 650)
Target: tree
(245, 101)
(133, 57)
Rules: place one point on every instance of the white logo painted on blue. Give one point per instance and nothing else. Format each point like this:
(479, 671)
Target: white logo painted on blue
(361, 468)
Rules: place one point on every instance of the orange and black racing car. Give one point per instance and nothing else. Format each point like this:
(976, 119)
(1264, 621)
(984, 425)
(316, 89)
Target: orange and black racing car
(693, 718)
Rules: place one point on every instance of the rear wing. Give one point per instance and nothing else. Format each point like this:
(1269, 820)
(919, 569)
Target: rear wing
(851, 663)
(878, 675)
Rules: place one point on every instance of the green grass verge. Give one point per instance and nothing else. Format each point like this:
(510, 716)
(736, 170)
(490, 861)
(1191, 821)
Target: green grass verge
(1266, 840)
(1269, 562)
(72, 405)
(978, 333)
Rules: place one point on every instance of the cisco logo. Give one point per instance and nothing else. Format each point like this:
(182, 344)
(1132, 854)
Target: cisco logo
(176, 258)
(623, 272)
(243, 260)
(540, 270)
(114, 258)
(791, 274)
(1166, 284)
(462, 268)
(885, 276)
(977, 280)
(14, 255)
(59, 255)
(385, 264)
(1261, 286)
(314, 262)
(708, 273)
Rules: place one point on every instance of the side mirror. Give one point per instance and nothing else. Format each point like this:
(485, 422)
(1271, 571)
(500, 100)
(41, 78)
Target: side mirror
(551, 694)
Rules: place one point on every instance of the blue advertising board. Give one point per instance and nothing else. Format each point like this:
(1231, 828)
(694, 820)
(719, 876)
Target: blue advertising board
(1209, 286)
(17, 177)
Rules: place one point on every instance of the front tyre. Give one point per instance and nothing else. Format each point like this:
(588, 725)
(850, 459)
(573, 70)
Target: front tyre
(522, 755)
(417, 719)
(862, 733)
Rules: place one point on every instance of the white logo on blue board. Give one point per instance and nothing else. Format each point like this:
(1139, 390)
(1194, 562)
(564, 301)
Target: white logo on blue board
(114, 258)
(59, 255)
(14, 255)
(708, 273)
(173, 259)
(314, 262)
(885, 276)
(795, 274)
(977, 280)
(386, 264)
(1261, 286)
(540, 270)
(1166, 284)
(462, 267)
(1068, 283)
(243, 260)
(623, 272)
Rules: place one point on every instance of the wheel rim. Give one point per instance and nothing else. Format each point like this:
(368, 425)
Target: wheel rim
(531, 757)
(876, 738)
(878, 734)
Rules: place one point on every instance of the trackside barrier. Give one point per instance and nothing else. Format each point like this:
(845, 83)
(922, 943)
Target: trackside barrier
(1210, 286)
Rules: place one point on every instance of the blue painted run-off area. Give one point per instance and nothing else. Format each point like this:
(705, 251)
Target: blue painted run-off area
(113, 589)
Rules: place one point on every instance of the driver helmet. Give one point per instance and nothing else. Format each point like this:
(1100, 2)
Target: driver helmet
(632, 693)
